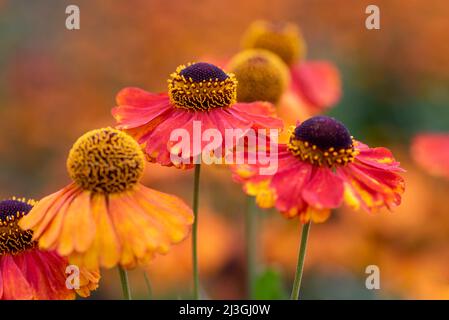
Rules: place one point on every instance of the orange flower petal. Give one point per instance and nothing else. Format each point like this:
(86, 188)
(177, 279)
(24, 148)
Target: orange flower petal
(171, 211)
(147, 222)
(88, 282)
(107, 237)
(135, 229)
(105, 249)
(96, 229)
(48, 237)
(44, 211)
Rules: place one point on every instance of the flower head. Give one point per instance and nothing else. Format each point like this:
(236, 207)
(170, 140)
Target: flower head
(322, 141)
(26, 272)
(106, 217)
(284, 39)
(106, 161)
(321, 166)
(197, 93)
(262, 75)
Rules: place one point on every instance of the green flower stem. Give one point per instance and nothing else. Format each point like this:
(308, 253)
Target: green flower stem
(251, 245)
(196, 185)
(301, 258)
(125, 283)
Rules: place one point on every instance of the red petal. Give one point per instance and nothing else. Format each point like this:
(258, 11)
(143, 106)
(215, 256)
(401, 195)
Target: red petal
(151, 119)
(137, 97)
(157, 138)
(378, 157)
(15, 285)
(158, 142)
(371, 187)
(45, 273)
(289, 184)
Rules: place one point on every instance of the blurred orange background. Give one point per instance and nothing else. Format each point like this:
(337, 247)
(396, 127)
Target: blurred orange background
(55, 84)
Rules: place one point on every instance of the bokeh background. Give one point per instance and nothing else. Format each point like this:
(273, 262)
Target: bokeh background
(56, 84)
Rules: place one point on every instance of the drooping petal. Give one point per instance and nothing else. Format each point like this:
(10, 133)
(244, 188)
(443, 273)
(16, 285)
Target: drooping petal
(151, 119)
(315, 215)
(106, 248)
(45, 272)
(373, 180)
(50, 236)
(137, 107)
(78, 230)
(40, 275)
(257, 180)
(288, 184)
(15, 285)
(134, 243)
(156, 138)
(102, 230)
(148, 222)
(381, 158)
(35, 275)
(40, 215)
(296, 188)
(89, 280)
(177, 215)
(371, 188)
(193, 124)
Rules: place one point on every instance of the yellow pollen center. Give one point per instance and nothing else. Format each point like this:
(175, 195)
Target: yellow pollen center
(201, 94)
(261, 74)
(105, 160)
(330, 157)
(13, 239)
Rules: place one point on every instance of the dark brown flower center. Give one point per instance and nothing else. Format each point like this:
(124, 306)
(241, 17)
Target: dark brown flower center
(203, 71)
(201, 87)
(324, 132)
